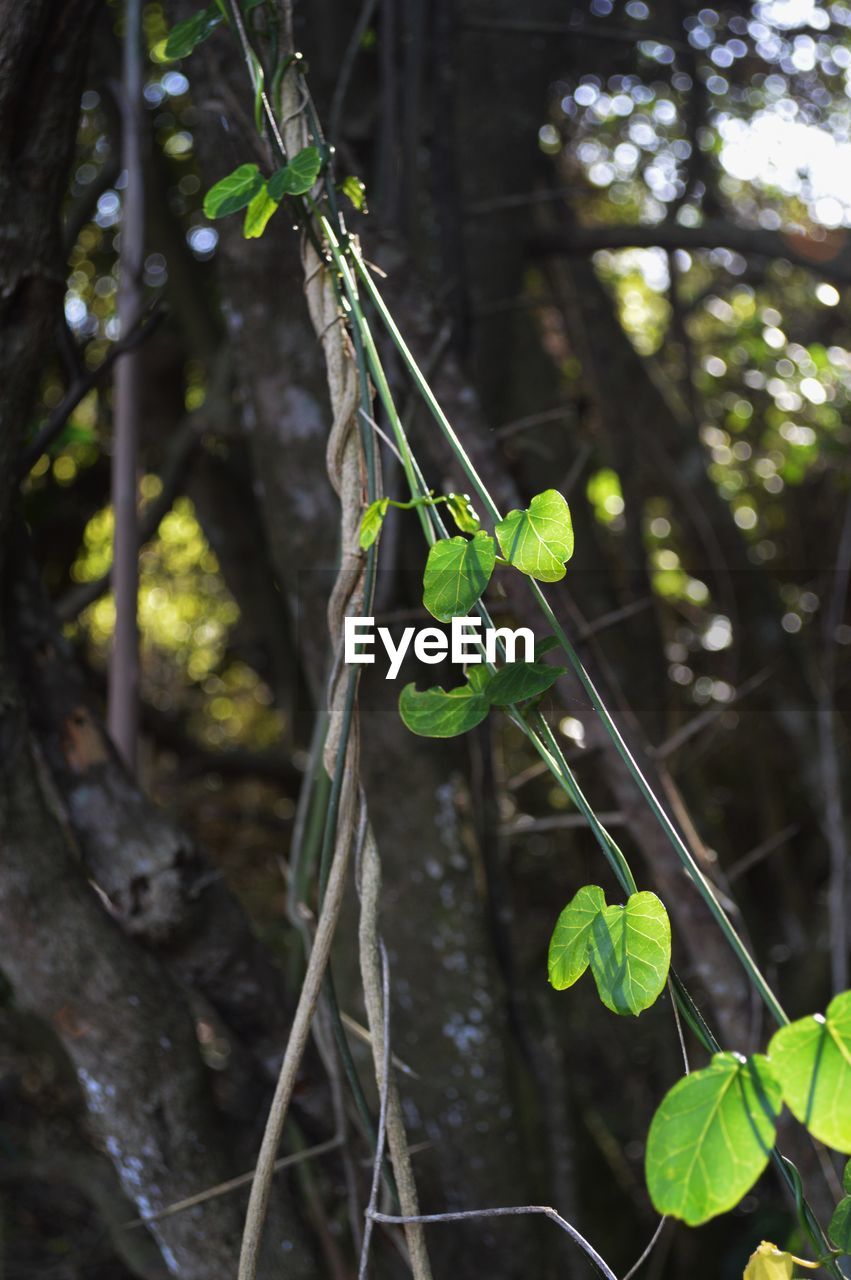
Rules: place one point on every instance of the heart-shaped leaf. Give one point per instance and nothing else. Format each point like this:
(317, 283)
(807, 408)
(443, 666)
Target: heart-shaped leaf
(711, 1137)
(234, 192)
(187, 35)
(456, 573)
(568, 954)
(539, 540)
(442, 713)
(630, 953)
(840, 1225)
(297, 177)
(812, 1060)
(373, 519)
(258, 213)
(520, 680)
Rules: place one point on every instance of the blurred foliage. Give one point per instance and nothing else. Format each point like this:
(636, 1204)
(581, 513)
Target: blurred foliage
(185, 618)
(769, 353)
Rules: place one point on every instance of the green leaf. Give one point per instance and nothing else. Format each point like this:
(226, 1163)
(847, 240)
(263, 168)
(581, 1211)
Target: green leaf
(461, 511)
(520, 680)
(630, 953)
(258, 213)
(187, 35)
(539, 540)
(234, 192)
(812, 1060)
(373, 519)
(711, 1137)
(846, 1178)
(568, 954)
(545, 646)
(440, 713)
(456, 573)
(478, 677)
(298, 176)
(355, 191)
(840, 1226)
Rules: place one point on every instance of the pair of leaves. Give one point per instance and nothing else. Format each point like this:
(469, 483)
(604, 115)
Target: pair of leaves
(246, 188)
(445, 713)
(457, 504)
(536, 541)
(628, 948)
(711, 1137)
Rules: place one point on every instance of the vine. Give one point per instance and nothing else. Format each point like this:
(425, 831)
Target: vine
(714, 1132)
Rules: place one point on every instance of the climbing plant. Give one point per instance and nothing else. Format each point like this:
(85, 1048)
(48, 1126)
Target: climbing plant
(714, 1132)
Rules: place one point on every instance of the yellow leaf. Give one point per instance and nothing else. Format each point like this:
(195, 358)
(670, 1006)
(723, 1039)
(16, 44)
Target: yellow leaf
(258, 214)
(770, 1263)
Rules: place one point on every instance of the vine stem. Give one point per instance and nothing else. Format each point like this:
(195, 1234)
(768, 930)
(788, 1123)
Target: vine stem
(681, 849)
(510, 1211)
(296, 1044)
(432, 528)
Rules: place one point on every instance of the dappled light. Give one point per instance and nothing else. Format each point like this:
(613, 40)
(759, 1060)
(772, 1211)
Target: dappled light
(426, 563)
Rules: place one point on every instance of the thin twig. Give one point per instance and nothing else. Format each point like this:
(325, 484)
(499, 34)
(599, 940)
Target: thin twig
(512, 1211)
(559, 822)
(833, 819)
(81, 388)
(748, 860)
(346, 67)
(679, 1026)
(382, 1119)
(533, 420)
(572, 30)
(614, 616)
(255, 74)
(647, 1252)
(233, 1184)
(699, 722)
(371, 952)
(380, 433)
(362, 1034)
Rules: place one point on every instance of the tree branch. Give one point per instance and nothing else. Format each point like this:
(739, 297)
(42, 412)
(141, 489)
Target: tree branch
(829, 257)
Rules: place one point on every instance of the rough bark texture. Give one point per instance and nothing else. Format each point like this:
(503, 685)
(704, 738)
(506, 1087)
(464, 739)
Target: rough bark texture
(48, 1138)
(160, 885)
(122, 1022)
(42, 60)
